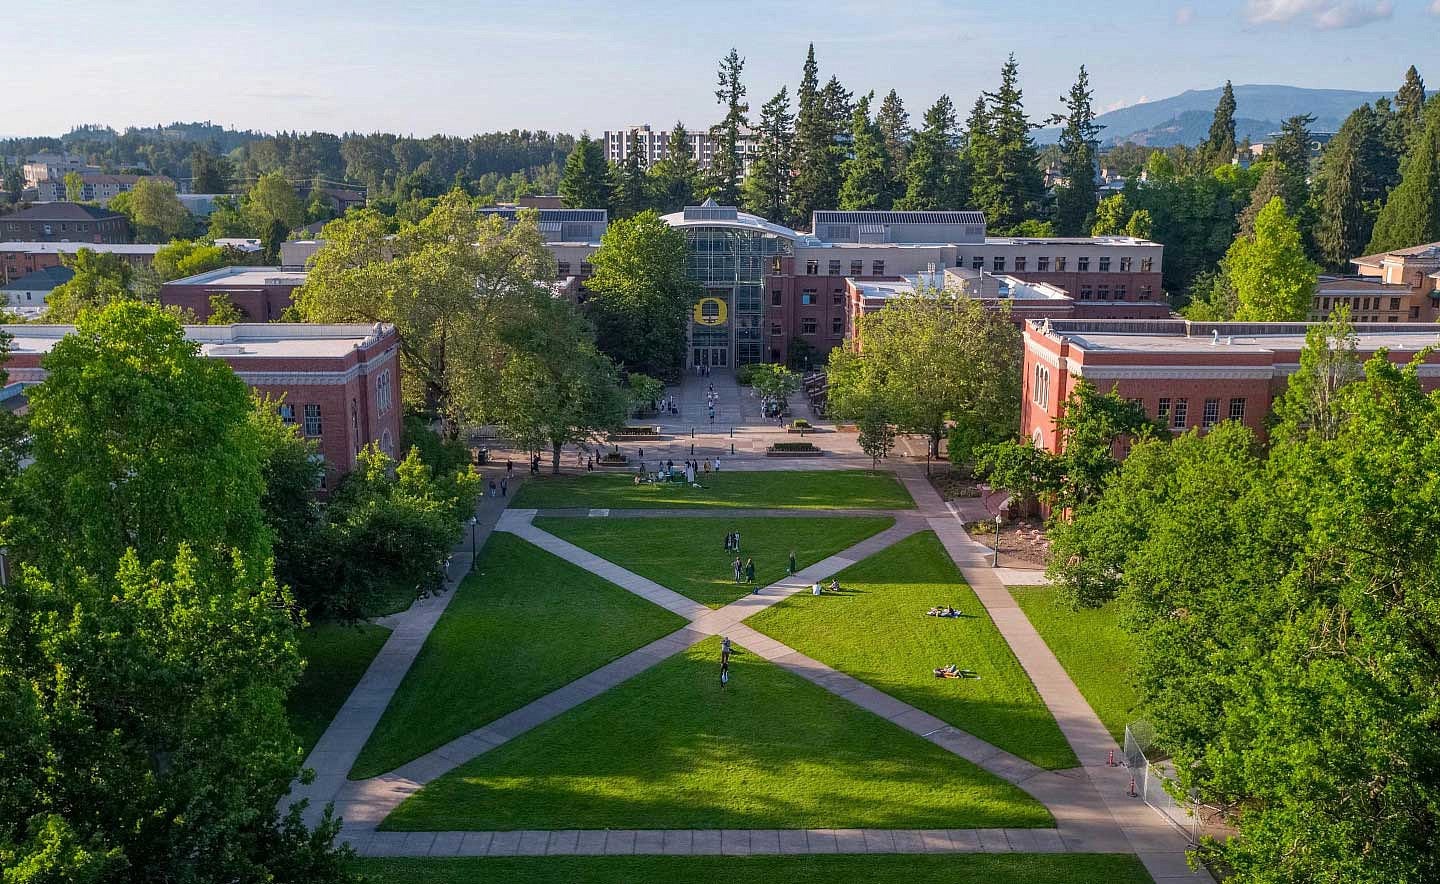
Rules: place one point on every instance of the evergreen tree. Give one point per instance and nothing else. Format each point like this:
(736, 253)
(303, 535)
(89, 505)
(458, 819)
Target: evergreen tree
(1409, 108)
(585, 183)
(674, 178)
(630, 192)
(767, 188)
(1008, 188)
(1286, 175)
(1075, 202)
(1355, 173)
(726, 166)
(894, 125)
(838, 106)
(1411, 215)
(976, 146)
(932, 181)
(867, 171)
(817, 169)
(1219, 148)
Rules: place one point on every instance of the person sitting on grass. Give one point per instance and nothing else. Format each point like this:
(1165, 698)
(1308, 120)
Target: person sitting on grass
(835, 584)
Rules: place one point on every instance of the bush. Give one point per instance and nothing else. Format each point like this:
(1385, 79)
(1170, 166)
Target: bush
(801, 424)
(442, 457)
(746, 373)
(794, 446)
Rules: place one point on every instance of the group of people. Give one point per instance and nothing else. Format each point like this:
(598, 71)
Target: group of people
(724, 660)
(669, 405)
(816, 589)
(953, 671)
(942, 611)
(502, 489)
(744, 573)
(702, 371)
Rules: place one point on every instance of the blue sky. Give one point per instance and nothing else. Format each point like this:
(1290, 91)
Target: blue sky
(421, 67)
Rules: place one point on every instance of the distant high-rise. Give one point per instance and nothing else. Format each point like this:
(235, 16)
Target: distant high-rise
(655, 143)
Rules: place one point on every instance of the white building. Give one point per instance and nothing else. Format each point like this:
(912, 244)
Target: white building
(655, 145)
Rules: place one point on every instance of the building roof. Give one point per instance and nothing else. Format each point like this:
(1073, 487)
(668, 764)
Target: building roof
(711, 214)
(978, 284)
(509, 213)
(1360, 285)
(70, 248)
(1175, 336)
(888, 217)
(42, 280)
(61, 211)
(1425, 251)
(230, 277)
(245, 339)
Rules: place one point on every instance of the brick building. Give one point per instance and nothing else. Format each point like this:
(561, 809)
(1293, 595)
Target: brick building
(262, 293)
(1188, 374)
(340, 383)
(19, 259)
(1405, 286)
(65, 222)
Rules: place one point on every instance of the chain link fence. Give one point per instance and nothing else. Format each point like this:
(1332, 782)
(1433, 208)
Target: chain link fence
(1151, 780)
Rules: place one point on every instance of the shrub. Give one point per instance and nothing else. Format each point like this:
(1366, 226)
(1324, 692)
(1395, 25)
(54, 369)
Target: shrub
(794, 446)
(801, 424)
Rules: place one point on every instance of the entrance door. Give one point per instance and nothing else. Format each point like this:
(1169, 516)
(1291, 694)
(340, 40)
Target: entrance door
(711, 357)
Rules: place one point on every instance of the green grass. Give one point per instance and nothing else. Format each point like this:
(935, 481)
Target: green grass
(957, 868)
(688, 555)
(672, 749)
(522, 625)
(1099, 655)
(877, 631)
(335, 658)
(787, 489)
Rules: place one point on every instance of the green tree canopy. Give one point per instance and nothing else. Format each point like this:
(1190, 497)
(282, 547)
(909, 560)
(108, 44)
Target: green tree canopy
(933, 178)
(585, 183)
(1272, 278)
(726, 163)
(271, 200)
(675, 178)
(154, 210)
(1356, 171)
(1411, 215)
(1008, 185)
(868, 180)
(1079, 140)
(100, 278)
(816, 183)
(187, 257)
(1219, 148)
(767, 187)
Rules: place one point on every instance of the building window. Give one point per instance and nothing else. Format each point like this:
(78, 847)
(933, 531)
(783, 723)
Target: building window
(1040, 389)
(1103, 292)
(1125, 265)
(1181, 414)
(1060, 262)
(562, 268)
(774, 329)
(998, 264)
(1019, 264)
(1104, 264)
(812, 267)
(1146, 264)
(834, 266)
(836, 297)
(777, 298)
(807, 297)
(1211, 415)
(585, 268)
(384, 392)
(808, 325)
(1086, 293)
(1164, 410)
(1082, 265)
(1119, 292)
(1237, 409)
(287, 414)
(837, 325)
(312, 420)
(877, 268)
(1145, 292)
(977, 262)
(1394, 303)
(1042, 263)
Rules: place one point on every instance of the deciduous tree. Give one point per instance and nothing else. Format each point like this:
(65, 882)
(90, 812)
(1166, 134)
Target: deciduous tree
(1272, 278)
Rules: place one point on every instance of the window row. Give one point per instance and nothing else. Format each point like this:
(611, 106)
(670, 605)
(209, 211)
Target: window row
(809, 325)
(1176, 412)
(833, 267)
(313, 425)
(1060, 264)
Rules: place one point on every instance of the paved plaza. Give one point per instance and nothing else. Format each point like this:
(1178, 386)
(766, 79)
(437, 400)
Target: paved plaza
(1089, 804)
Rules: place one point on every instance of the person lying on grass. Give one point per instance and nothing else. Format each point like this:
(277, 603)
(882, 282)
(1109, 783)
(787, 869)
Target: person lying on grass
(945, 611)
(953, 671)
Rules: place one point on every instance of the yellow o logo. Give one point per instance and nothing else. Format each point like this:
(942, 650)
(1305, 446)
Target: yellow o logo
(710, 311)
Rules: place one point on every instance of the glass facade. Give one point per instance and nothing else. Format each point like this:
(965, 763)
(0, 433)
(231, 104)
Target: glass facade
(730, 264)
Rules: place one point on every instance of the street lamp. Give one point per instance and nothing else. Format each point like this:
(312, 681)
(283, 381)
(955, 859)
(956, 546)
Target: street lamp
(474, 520)
(996, 562)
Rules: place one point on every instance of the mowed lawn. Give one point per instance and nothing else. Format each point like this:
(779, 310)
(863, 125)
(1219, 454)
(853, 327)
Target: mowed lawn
(522, 625)
(336, 656)
(955, 868)
(673, 749)
(786, 489)
(877, 631)
(1099, 655)
(689, 556)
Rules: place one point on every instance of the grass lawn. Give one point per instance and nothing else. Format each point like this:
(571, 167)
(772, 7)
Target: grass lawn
(877, 631)
(1099, 655)
(335, 658)
(956, 868)
(672, 749)
(688, 555)
(788, 489)
(524, 624)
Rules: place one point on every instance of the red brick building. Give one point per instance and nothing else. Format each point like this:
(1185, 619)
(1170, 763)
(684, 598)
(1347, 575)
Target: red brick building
(65, 222)
(19, 259)
(340, 383)
(262, 293)
(1189, 374)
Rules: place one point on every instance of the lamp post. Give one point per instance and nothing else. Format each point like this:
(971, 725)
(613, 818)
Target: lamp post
(996, 562)
(474, 520)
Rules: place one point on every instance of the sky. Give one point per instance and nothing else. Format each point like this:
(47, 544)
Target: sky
(421, 67)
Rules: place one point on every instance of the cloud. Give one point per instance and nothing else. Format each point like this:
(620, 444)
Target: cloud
(1186, 14)
(1322, 15)
(1117, 105)
(1435, 7)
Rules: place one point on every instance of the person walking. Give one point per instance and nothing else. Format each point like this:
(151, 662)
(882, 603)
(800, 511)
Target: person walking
(509, 466)
(717, 463)
(750, 572)
(505, 486)
(724, 672)
(724, 647)
(492, 487)
(738, 568)
(737, 541)
(792, 569)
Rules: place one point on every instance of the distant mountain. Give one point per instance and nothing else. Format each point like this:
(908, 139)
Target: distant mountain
(1259, 110)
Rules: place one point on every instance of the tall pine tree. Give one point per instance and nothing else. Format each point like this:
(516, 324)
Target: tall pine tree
(1409, 108)
(867, 171)
(767, 187)
(1411, 216)
(1075, 201)
(817, 166)
(630, 192)
(932, 180)
(726, 166)
(675, 177)
(894, 125)
(1009, 186)
(585, 183)
(1357, 170)
(1219, 148)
